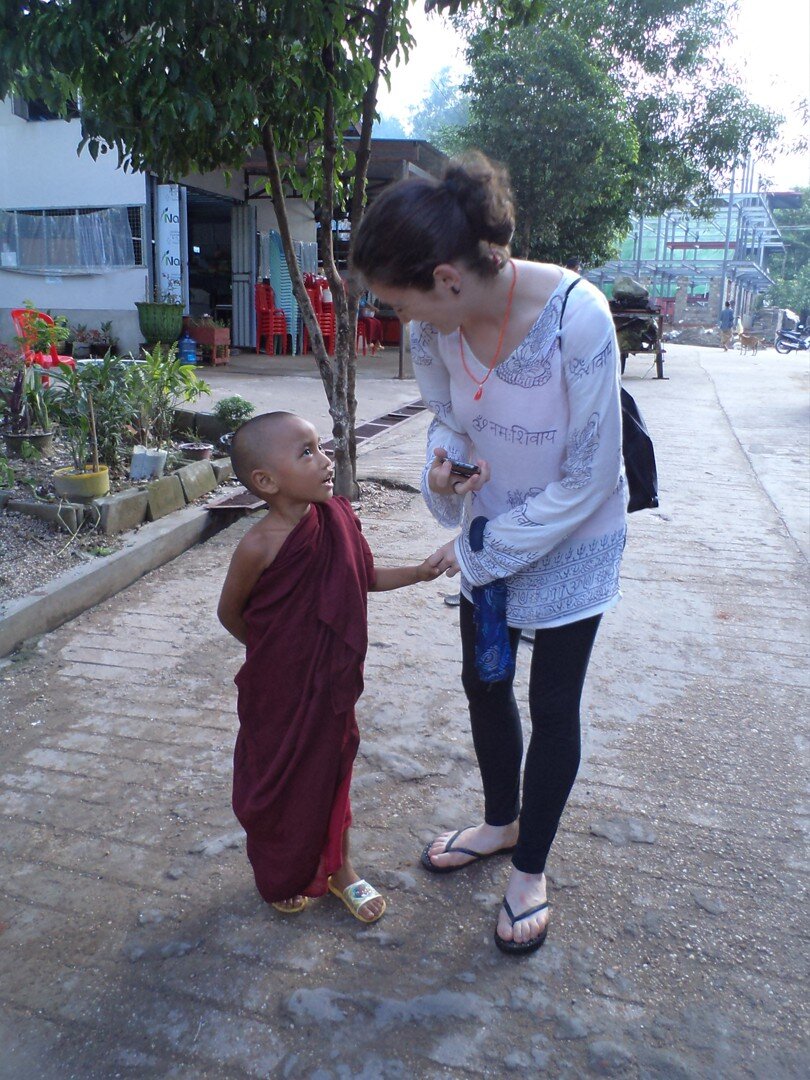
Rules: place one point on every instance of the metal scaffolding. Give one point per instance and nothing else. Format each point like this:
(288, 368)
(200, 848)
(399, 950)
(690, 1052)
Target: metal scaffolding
(731, 248)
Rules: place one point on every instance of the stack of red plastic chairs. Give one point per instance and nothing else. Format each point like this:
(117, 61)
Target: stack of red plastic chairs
(271, 322)
(324, 310)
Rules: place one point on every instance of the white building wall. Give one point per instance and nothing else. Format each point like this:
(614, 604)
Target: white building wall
(301, 214)
(39, 169)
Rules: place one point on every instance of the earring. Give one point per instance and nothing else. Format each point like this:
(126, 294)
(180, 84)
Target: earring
(455, 289)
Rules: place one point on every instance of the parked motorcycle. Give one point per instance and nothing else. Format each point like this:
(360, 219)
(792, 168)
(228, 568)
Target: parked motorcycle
(797, 340)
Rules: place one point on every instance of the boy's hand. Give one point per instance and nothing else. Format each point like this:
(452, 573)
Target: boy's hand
(443, 482)
(429, 569)
(444, 560)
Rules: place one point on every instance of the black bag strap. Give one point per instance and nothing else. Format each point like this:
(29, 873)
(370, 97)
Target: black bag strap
(573, 285)
(637, 446)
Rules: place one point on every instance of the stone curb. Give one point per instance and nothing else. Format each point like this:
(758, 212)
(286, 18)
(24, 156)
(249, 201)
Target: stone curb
(81, 588)
(156, 543)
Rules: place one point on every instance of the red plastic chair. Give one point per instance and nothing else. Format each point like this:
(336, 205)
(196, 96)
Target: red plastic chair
(23, 319)
(324, 313)
(369, 333)
(271, 322)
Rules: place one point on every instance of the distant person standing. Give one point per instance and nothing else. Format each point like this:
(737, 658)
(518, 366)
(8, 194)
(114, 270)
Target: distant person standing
(726, 325)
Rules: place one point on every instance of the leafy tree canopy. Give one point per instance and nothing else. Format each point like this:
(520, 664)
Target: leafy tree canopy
(176, 86)
(444, 109)
(542, 106)
(184, 85)
(791, 287)
(389, 127)
(607, 107)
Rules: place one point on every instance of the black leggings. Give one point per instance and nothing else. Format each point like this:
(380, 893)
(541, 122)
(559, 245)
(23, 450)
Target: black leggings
(559, 663)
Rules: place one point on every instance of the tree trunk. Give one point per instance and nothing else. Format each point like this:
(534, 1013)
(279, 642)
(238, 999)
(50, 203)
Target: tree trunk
(345, 340)
(329, 367)
(338, 373)
(382, 21)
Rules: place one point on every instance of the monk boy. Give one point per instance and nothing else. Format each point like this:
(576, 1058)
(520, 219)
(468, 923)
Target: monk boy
(295, 596)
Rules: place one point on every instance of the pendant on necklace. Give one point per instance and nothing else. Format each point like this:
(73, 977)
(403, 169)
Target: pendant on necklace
(478, 394)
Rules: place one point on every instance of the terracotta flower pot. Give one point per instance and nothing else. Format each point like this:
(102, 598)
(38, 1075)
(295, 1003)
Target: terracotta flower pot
(69, 484)
(196, 451)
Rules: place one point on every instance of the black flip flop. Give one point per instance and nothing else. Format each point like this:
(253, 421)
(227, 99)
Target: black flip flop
(477, 856)
(521, 948)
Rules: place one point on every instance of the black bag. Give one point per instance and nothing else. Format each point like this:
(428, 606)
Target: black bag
(639, 458)
(637, 447)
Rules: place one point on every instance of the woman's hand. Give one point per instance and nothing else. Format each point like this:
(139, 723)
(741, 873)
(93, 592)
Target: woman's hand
(444, 560)
(443, 482)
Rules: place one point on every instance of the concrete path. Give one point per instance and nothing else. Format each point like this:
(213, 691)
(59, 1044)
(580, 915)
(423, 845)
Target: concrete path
(134, 944)
(294, 383)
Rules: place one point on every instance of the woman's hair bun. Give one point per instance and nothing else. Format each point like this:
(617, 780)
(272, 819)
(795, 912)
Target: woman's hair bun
(481, 187)
(417, 224)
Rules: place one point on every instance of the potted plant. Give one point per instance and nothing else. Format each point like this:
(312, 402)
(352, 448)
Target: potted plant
(86, 478)
(158, 386)
(196, 451)
(213, 337)
(160, 318)
(108, 380)
(233, 411)
(80, 338)
(103, 341)
(41, 334)
(27, 424)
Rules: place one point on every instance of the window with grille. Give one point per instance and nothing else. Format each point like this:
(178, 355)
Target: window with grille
(33, 109)
(67, 240)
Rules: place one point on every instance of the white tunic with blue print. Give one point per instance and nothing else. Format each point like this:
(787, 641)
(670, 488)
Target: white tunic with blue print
(549, 424)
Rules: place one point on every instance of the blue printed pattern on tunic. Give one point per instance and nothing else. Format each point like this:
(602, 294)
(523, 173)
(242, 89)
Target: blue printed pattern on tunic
(530, 364)
(582, 445)
(566, 583)
(549, 424)
(581, 366)
(422, 342)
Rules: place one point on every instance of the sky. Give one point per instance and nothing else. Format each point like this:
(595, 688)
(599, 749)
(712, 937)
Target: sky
(772, 51)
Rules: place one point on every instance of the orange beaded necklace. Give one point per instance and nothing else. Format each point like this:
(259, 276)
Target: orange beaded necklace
(480, 382)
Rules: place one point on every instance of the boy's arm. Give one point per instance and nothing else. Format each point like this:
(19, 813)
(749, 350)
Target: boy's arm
(397, 577)
(248, 562)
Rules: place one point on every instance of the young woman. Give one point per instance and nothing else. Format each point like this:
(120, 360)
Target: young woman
(519, 363)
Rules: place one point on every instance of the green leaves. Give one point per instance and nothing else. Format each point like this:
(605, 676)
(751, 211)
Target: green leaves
(605, 107)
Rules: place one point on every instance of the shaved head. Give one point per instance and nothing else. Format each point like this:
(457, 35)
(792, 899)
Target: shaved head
(253, 444)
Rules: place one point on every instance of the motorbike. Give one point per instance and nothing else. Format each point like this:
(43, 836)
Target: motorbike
(793, 340)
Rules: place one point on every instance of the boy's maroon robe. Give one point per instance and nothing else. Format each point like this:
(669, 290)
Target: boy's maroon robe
(303, 673)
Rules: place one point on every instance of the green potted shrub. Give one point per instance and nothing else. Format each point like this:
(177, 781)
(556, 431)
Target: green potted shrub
(108, 381)
(233, 411)
(87, 477)
(27, 426)
(80, 339)
(224, 418)
(160, 319)
(158, 386)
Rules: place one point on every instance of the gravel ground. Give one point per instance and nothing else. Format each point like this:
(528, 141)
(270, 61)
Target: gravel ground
(32, 552)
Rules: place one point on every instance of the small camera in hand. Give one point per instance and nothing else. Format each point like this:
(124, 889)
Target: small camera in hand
(463, 468)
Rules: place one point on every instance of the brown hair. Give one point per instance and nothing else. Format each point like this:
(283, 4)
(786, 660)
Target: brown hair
(419, 223)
